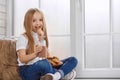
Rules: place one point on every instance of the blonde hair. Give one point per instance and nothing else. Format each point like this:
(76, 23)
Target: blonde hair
(28, 29)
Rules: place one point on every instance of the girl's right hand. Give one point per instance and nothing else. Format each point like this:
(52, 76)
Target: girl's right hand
(38, 49)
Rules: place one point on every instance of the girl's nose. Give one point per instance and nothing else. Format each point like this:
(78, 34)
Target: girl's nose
(37, 23)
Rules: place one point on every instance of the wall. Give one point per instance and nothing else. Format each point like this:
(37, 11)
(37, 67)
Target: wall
(20, 8)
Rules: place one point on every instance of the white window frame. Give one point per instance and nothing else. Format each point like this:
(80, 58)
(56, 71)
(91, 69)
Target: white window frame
(10, 18)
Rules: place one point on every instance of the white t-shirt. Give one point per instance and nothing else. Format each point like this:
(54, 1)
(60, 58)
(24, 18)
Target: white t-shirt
(22, 44)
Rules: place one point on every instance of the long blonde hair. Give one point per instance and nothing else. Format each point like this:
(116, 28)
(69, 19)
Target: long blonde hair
(28, 29)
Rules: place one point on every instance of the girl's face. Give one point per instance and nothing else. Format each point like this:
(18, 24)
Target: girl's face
(37, 21)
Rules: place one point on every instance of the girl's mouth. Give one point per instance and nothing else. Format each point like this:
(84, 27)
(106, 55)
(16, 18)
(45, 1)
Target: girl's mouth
(37, 27)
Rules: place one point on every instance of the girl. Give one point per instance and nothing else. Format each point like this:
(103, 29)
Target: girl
(31, 65)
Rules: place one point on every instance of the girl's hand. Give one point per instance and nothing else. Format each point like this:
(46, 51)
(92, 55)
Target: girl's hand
(38, 49)
(44, 52)
(40, 32)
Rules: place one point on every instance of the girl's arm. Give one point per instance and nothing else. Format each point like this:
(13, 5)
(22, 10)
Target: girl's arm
(26, 58)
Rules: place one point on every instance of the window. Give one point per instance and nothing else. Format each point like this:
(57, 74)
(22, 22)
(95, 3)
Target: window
(3, 18)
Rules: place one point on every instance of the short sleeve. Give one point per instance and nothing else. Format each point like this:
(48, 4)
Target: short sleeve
(21, 43)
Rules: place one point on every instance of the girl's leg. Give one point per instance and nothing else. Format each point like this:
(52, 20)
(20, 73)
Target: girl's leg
(68, 65)
(33, 72)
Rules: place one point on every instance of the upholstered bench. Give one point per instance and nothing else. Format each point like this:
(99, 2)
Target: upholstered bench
(8, 60)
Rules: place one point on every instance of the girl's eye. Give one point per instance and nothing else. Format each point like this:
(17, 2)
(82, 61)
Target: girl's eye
(33, 20)
(41, 27)
(40, 19)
